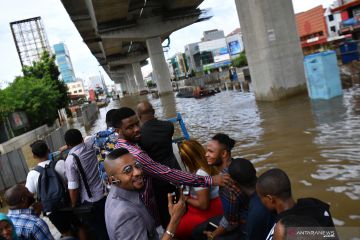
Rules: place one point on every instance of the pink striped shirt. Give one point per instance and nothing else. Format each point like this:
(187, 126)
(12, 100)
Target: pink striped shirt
(152, 169)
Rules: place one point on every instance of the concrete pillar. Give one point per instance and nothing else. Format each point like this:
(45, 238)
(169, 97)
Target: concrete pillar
(132, 82)
(138, 76)
(160, 68)
(123, 86)
(129, 85)
(272, 47)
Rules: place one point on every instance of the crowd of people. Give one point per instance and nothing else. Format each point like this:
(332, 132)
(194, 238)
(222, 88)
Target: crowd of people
(126, 183)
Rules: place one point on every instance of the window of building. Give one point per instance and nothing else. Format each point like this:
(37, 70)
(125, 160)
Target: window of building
(331, 17)
(75, 91)
(333, 29)
(80, 91)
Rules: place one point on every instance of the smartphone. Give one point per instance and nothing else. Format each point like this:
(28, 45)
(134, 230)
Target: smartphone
(186, 191)
(211, 227)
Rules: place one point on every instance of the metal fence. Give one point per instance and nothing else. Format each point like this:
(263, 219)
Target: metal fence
(13, 169)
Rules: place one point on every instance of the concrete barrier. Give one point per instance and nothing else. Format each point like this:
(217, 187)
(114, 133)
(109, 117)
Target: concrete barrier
(25, 138)
(13, 169)
(55, 139)
(89, 114)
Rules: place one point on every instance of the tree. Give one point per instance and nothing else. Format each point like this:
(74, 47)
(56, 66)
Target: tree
(240, 61)
(39, 93)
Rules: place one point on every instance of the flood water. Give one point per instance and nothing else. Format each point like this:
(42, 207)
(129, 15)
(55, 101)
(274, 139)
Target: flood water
(316, 143)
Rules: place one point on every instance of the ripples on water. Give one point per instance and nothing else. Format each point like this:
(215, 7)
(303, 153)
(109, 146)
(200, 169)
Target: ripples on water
(316, 142)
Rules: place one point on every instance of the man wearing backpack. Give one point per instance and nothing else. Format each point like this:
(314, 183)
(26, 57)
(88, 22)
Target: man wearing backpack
(50, 173)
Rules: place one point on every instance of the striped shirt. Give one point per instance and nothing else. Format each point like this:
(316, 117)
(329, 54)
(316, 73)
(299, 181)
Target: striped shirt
(28, 225)
(152, 168)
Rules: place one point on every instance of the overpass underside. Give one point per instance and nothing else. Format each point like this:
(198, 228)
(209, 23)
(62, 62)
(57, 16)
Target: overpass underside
(122, 34)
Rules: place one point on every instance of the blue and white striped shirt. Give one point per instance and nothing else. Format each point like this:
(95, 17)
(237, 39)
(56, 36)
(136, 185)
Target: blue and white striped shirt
(28, 225)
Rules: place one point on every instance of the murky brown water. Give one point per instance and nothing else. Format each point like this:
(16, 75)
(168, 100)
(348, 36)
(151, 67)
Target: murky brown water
(316, 143)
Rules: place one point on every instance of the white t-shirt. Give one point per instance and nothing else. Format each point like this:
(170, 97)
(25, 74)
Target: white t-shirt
(33, 176)
(214, 191)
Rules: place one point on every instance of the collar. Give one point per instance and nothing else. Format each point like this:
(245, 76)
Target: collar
(128, 195)
(27, 211)
(73, 149)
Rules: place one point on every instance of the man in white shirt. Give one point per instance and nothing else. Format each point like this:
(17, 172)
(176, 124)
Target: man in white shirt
(41, 152)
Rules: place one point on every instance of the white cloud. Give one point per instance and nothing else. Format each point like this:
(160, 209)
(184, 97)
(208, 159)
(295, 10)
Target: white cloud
(60, 28)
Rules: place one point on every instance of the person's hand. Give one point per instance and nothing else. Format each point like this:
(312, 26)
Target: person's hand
(221, 180)
(209, 235)
(176, 211)
(63, 148)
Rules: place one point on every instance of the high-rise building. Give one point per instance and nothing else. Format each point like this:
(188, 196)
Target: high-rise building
(64, 62)
(30, 39)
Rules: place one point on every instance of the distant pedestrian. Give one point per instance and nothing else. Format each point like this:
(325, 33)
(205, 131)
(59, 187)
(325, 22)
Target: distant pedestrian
(28, 224)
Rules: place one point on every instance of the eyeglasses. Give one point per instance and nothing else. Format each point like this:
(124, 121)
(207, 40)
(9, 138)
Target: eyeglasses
(130, 168)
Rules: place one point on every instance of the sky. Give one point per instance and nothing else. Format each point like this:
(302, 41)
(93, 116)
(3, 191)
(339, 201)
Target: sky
(59, 28)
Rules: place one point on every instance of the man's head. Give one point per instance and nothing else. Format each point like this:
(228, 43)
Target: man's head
(18, 197)
(73, 137)
(243, 172)
(286, 227)
(127, 124)
(40, 150)
(219, 149)
(123, 170)
(109, 116)
(273, 187)
(145, 111)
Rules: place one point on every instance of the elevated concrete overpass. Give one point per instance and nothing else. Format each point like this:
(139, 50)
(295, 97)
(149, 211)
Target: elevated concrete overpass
(122, 34)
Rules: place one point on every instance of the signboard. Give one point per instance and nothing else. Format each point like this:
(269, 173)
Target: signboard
(18, 120)
(234, 47)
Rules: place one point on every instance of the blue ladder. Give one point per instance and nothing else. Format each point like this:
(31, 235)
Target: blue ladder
(184, 131)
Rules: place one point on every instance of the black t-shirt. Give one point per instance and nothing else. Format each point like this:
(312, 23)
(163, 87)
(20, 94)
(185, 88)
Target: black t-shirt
(311, 207)
(156, 141)
(259, 221)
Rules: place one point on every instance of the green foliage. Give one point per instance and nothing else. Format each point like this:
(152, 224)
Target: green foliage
(240, 61)
(39, 93)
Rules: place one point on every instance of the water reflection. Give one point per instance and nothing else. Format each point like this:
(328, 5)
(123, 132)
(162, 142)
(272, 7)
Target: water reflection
(317, 143)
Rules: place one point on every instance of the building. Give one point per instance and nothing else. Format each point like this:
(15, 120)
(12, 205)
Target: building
(350, 17)
(76, 88)
(30, 39)
(178, 66)
(97, 83)
(192, 54)
(333, 21)
(312, 29)
(64, 62)
(215, 51)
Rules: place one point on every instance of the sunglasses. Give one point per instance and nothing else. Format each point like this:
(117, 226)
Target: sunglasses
(130, 168)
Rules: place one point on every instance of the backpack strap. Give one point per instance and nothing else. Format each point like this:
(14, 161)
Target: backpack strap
(82, 174)
(39, 169)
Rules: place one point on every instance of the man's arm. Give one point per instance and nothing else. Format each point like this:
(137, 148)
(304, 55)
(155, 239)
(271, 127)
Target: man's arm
(175, 176)
(73, 180)
(74, 193)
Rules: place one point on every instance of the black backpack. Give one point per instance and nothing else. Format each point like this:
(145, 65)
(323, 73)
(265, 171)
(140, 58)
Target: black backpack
(51, 192)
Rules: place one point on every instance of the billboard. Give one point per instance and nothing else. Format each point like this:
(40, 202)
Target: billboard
(234, 47)
(214, 54)
(18, 120)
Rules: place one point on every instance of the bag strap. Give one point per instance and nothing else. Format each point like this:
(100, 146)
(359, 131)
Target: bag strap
(82, 174)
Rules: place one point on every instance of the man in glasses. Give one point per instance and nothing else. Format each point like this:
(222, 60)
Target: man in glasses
(125, 214)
